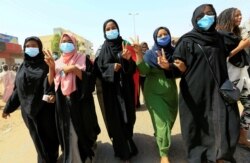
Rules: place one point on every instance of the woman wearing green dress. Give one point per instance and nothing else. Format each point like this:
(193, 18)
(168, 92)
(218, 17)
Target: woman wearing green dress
(160, 90)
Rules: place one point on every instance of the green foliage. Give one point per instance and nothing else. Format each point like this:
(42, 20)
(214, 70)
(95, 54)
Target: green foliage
(55, 44)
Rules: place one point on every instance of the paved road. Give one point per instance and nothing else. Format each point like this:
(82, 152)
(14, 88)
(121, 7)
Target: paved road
(16, 145)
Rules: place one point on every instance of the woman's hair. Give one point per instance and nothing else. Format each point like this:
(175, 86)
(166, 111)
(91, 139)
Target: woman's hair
(225, 21)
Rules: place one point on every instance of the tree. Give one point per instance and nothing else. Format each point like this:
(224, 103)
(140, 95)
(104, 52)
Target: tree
(55, 44)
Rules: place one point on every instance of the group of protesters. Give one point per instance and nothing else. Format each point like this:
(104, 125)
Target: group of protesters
(57, 104)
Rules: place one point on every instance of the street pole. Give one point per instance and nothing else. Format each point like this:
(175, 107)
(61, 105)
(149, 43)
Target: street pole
(133, 15)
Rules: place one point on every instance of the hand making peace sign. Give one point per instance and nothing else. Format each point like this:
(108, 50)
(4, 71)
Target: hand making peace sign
(137, 48)
(49, 59)
(126, 54)
(162, 60)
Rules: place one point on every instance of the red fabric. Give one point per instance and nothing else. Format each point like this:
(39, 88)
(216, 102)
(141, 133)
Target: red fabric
(136, 75)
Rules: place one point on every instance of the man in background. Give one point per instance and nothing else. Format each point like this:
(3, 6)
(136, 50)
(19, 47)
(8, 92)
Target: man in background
(7, 79)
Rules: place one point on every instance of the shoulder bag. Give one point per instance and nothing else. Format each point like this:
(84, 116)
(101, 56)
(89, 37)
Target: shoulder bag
(229, 92)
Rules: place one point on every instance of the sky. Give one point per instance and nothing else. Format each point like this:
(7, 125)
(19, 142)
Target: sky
(24, 18)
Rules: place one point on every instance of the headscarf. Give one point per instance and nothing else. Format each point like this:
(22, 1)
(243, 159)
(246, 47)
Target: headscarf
(35, 67)
(68, 82)
(150, 56)
(114, 46)
(209, 37)
(144, 43)
(30, 77)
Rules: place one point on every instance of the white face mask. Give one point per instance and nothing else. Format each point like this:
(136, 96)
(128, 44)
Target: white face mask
(32, 52)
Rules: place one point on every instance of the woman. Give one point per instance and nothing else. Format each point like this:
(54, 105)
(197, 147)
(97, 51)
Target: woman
(228, 25)
(209, 127)
(75, 111)
(116, 69)
(144, 48)
(7, 78)
(160, 92)
(38, 115)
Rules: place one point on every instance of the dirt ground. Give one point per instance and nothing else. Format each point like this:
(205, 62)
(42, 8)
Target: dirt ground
(16, 146)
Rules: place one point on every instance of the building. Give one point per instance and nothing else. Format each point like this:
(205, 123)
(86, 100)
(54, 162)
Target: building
(84, 45)
(10, 50)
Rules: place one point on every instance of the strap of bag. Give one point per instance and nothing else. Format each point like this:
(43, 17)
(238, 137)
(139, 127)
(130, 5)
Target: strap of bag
(209, 65)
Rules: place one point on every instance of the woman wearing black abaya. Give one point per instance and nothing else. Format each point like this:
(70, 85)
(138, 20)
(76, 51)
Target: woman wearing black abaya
(209, 127)
(116, 69)
(38, 115)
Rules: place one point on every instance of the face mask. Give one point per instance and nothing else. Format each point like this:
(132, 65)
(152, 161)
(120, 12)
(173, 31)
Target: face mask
(67, 47)
(112, 34)
(206, 22)
(32, 52)
(163, 41)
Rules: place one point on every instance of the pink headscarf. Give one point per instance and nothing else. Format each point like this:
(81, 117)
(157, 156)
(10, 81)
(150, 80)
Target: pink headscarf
(68, 82)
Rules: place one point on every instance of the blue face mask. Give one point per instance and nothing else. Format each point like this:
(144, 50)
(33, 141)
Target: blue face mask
(32, 52)
(163, 41)
(112, 34)
(67, 47)
(206, 22)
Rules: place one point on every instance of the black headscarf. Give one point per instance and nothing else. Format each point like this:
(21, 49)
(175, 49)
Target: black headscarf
(111, 46)
(209, 37)
(40, 57)
(150, 56)
(30, 78)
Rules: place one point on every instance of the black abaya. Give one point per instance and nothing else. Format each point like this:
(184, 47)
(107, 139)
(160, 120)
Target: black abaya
(38, 115)
(209, 126)
(78, 109)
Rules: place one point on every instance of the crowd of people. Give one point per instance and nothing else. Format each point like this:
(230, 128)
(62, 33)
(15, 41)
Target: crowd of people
(56, 96)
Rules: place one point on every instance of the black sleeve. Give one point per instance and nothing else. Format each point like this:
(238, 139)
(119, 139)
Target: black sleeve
(173, 72)
(13, 103)
(241, 59)
(106, 64)
(230, 42)
(48, 89)
(183, 52)
(128, 66)
(87, 84)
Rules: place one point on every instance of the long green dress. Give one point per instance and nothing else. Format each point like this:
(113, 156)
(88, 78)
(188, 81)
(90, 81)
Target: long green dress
(161, 100)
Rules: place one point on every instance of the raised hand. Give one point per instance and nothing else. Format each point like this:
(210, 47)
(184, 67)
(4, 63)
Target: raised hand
(137, 48)
(136, 45)
(162, 61)
(51, 63)
(126, 54)
(49, 59)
